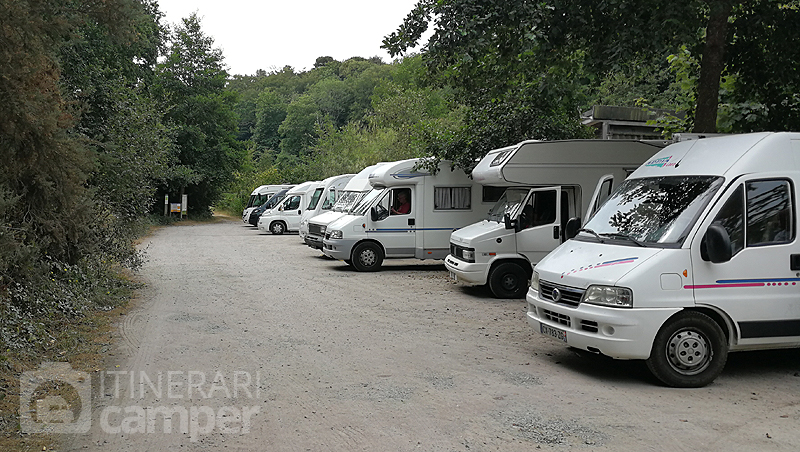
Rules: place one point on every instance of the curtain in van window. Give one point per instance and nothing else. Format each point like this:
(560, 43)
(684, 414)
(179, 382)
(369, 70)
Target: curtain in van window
(452, 198)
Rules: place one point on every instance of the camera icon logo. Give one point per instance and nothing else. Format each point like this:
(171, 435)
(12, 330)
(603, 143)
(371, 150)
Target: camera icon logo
(55, 413)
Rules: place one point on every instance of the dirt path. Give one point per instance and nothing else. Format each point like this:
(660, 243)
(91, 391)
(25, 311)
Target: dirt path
(246, 341)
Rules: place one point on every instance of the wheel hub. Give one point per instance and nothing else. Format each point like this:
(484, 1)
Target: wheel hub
(509, 282)
(367, 257)
(688, 352)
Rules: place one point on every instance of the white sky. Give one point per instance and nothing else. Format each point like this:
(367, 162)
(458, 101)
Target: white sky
(269, 34)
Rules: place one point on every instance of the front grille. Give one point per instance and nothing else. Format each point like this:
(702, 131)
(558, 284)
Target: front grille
(567, 295)
(327, 235)
(316, 229)
(458, 251)
(556, 317)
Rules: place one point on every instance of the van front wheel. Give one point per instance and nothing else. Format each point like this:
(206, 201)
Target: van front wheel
(689, 351)
(367, 257)
(508, 280)
(277, 228)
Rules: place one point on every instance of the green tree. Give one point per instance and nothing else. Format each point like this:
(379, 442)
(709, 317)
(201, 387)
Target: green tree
(192, 81)
(270, 113)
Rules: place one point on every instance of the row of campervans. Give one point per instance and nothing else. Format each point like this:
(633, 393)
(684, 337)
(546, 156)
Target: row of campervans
(670, 253)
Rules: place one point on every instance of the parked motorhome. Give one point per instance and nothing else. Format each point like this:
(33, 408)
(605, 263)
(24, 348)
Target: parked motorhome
(693, 256)
(285, 216)
(323, 199)
(409, 213)
(353, 192)
(255, 214)
(547, 183)
(259, 196)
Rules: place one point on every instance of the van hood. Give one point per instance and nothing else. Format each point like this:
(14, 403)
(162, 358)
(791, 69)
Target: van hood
(326, 218)
(580, 264)
(476, 231)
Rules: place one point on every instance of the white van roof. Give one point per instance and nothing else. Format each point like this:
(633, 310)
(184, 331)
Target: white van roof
(360, 182)
(305, 187)
(400, 172)
(537, 162)
(339, 181)
(726, 155)
(264, 189)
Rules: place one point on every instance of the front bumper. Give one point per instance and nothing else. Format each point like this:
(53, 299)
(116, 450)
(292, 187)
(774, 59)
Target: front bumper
(314, 241)
(616, 332)
(469, 272)
(338, 249)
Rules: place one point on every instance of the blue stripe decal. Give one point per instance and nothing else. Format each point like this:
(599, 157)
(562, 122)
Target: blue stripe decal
(412, 229)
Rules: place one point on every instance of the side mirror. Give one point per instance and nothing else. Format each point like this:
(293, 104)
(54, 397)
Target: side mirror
(716, 245)
(510, 224)
(571, 228)
(373, 214)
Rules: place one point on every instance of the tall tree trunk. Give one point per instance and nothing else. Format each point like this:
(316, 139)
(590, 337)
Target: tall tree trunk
(711, 66)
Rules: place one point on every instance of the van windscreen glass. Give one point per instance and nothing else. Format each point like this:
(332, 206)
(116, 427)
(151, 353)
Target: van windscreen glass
(658, 210)
(508, 203)
(366, 202)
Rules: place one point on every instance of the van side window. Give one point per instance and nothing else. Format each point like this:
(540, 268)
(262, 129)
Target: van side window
(731, 217)
(769, 212)
(292, 203)
(540, 209)
(452, 198)
(401, 201)
(605, 192)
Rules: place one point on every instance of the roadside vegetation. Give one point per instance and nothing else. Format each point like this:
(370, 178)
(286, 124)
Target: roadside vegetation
(107, 110)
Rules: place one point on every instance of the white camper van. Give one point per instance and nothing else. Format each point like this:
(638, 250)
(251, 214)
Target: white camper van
(355, 189)
(259, 196)
(548, 183)
(695, 255)
(409, 213)
(286, 215)
(323, 199)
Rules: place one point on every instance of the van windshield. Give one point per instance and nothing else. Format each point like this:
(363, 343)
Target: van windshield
(657, 210)
(508, 204)
(315, 198)
(347, 199)
(363, 205)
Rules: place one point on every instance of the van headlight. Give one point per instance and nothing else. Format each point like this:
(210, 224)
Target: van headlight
(618, 297)
(468, 255)
(336, 234)
(535, 281)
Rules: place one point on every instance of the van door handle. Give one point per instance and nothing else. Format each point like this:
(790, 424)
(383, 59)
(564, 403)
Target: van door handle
(794, 262)
(411, 222)
(556, 234)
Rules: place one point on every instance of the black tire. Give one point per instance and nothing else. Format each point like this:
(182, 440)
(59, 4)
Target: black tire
(277, 228)
(508, 280)
(689, 351)
(367, 257)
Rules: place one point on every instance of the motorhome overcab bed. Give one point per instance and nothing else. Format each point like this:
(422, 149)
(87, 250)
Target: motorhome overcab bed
(323, 199)
(410, 213)
(353, 192)
(695, 255)
(285, 216)
(259, 196)
(548, 182)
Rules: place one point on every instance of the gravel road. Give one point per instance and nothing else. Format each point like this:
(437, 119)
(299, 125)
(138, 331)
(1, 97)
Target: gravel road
(248, 341)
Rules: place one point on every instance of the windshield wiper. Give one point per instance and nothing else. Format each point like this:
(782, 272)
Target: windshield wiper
(593, 233)
(618, 235)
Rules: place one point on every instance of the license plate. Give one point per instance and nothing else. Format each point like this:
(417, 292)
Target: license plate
(453, 276)
(553, 332)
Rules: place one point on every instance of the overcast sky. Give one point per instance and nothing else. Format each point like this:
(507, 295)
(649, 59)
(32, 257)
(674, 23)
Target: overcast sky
(271, 34)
